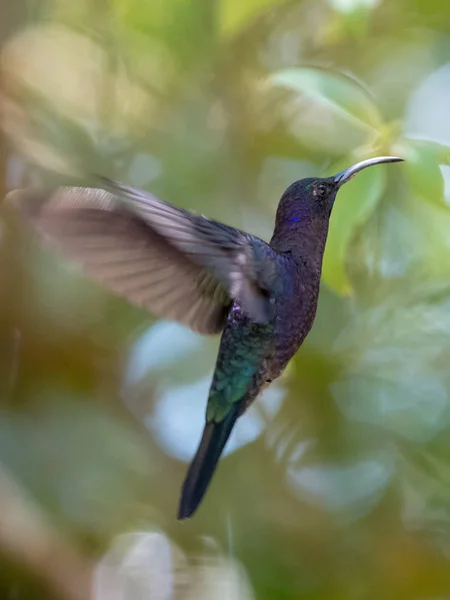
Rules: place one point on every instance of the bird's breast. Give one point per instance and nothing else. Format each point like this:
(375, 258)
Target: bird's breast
(295, 311)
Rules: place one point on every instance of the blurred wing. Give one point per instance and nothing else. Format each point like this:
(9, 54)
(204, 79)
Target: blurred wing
(157, 256)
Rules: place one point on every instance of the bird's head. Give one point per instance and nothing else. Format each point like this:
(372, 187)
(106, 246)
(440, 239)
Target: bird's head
(309, 199)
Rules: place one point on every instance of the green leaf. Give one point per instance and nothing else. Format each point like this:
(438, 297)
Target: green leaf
(236, 15)
(354, 204)
(423, 171)
(341, 93)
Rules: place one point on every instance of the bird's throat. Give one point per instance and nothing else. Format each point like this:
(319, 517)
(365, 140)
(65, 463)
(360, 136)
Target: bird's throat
(304, 239)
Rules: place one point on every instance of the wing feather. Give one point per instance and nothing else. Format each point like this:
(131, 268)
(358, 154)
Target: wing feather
(177, 265)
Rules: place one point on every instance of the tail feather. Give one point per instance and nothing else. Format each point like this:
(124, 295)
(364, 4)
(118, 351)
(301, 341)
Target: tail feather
(214, 438)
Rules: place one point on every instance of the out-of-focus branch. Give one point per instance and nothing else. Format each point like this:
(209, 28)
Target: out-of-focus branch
(27, 537)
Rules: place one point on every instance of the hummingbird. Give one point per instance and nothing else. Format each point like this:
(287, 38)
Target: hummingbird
(207, 275)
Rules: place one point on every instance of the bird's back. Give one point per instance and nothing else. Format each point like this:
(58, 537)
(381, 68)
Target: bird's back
(252, 354)
(240, 367)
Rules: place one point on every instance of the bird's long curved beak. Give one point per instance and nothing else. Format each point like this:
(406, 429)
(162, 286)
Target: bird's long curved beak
(346, 175)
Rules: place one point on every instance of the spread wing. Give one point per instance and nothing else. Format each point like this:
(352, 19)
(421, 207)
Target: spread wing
(177, 265)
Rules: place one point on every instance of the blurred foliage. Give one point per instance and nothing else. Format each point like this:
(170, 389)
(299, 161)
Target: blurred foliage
(336, 484)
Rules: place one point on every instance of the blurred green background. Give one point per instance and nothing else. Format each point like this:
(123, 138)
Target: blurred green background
(336, 484)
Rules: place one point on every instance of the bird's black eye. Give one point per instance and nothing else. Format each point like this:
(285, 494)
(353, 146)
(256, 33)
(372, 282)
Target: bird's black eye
(321, 189)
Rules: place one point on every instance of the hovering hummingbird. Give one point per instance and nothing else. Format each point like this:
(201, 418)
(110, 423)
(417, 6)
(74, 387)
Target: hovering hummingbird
(207, 275)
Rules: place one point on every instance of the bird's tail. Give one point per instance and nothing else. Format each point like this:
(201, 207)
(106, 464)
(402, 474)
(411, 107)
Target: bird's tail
(214, 438)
